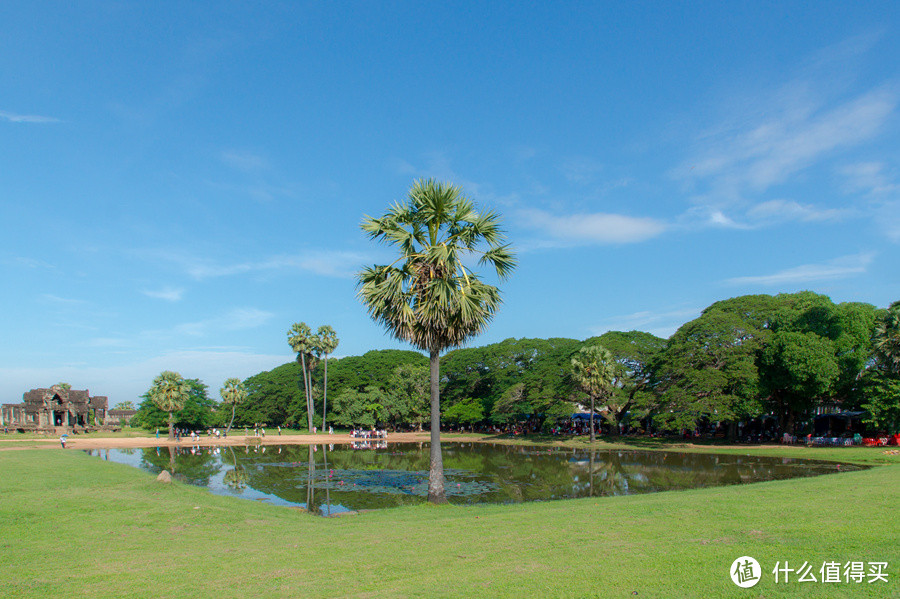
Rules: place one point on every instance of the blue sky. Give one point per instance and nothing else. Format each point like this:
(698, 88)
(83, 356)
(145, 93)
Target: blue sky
(180, 182)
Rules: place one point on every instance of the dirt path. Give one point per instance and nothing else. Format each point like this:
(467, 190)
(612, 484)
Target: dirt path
(97, 442)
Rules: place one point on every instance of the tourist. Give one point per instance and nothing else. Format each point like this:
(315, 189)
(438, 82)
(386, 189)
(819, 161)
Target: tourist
(330, 430)
(62, 440)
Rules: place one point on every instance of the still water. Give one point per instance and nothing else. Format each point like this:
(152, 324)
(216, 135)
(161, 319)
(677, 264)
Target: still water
(335, 479)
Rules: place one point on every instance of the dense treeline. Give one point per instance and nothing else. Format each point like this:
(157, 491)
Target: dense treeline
(779, 357)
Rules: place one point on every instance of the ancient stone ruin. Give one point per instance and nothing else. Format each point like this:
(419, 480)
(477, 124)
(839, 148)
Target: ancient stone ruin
(54, 409)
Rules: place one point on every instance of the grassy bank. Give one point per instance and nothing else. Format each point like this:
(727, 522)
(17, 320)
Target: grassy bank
(73, 525)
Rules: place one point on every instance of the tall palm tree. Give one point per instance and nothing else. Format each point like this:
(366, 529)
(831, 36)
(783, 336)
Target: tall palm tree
(327, 343)
(430, 296)
(302, 341)
(169, 392)
(232, 394)
(594, 369)
(887, 339)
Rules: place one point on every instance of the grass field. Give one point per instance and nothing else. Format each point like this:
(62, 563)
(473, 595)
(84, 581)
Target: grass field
(72, 525)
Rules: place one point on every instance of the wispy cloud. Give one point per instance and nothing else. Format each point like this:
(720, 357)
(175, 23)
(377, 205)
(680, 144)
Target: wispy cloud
(27, 262)
(594, 228)
(776, 211)
(61, 301)
(661, 324)
(760, 154)
(580, 169)
(839, 268)
(327, 263)
(235, 320)
(324, 263)
(12, 117)
(244, 161)
(170, 294)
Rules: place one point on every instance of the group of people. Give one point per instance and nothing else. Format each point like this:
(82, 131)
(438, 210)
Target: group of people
(368, 434)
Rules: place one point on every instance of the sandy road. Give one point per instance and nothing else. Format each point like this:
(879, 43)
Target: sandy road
(92, 441)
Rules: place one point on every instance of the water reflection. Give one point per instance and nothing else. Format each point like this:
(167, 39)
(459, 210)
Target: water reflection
(330, 480)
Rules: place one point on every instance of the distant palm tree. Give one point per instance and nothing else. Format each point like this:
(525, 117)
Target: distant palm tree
(169, 392)
(327, 343)
(594, 369)
(302, 341)
(887, 339)
(430, 296)
(232, 394)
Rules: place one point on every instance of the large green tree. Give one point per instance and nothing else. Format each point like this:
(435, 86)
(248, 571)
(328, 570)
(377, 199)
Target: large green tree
(429, 296)
(708, 371)
(198, 411)
(515, 379)
(887, 339)
(409, 388)
(169, 393)
(634, 351)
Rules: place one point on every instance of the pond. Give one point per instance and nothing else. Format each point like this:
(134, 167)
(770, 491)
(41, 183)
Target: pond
(335, 479)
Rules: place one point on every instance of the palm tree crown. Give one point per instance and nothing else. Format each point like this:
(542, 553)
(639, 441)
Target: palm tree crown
(428, 296)
(170, 392)
(594, 369)
(232, 394)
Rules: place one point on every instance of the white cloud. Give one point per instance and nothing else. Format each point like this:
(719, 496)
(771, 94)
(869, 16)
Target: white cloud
(592, 228)
(839, 268)
(169, 294)
(26, 118)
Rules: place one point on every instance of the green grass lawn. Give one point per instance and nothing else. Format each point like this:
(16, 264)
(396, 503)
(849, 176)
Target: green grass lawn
(72, 525)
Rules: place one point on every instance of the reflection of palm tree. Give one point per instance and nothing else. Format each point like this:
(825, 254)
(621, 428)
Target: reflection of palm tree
(171, 459)
(310, 487)
(236, 478)
(327, 482)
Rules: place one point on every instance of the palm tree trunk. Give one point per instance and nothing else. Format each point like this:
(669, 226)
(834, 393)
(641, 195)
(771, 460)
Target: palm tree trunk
(436, 473)
(306, 392)
(232, 419)
(593, 438)
(171, 427)
(325, 394)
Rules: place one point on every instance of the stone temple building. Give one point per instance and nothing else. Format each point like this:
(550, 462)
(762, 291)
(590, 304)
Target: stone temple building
(46, 410)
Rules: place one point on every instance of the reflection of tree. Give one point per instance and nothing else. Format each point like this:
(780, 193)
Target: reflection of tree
(196, 468)
(236, 478)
